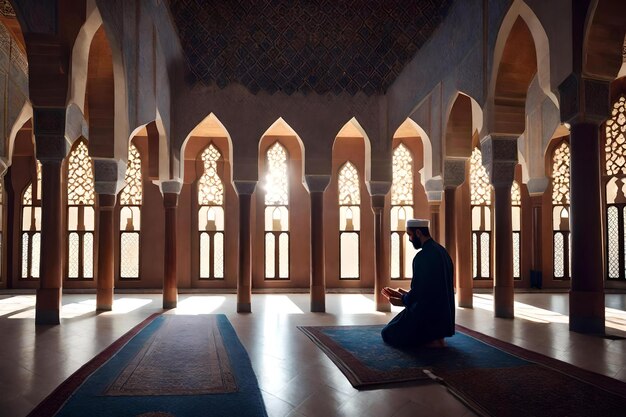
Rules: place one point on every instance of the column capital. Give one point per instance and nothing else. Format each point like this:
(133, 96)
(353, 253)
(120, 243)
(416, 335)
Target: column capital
(108, 175)
(499, 153)
(584, 100)
(453, 172)
(49, 130)
(537, 186)
(434, 188)
(378, 187)
(245, 187)
(172, 186)
(317, 183)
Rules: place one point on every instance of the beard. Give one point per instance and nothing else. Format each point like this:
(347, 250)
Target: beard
(417, 244)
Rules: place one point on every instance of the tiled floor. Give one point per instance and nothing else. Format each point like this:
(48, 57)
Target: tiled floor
(296, 378)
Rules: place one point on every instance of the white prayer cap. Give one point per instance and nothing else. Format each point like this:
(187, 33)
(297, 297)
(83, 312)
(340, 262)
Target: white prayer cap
(417, 223)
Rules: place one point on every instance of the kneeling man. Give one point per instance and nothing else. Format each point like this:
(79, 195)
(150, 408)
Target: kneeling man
(428, 316)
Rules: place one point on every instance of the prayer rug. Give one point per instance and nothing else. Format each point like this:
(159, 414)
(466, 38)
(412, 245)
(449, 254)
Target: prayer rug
(490, 376)
(169, 365)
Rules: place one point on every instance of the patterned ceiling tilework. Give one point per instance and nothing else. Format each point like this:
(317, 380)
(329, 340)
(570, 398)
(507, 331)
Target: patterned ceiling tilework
(323, 46)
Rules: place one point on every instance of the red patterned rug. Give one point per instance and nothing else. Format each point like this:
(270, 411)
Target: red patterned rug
(492, 377)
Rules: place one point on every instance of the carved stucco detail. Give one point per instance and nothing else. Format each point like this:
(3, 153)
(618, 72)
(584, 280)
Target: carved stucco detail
(108, 175)
(499, 156)
(584, 100)
(453, 172)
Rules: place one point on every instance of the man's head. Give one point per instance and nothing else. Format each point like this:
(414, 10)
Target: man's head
(417, 230)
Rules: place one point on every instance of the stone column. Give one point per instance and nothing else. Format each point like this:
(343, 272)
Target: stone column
(536, 188)
(108, 181)
(317, 184)
(244, 278)
(454, 175)
(378, 191)
(585, 106)
(500, 158)
(170, 190)
(49, 127)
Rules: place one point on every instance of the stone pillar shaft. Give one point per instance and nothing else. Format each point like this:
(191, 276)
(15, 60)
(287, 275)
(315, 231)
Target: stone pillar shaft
(587, 291)
(244, 278)
(170, 285)
(463, 271)
(383, 272)
(318, 277)
(450, 216)
(48, 304)
(503, 253)
(106, 274)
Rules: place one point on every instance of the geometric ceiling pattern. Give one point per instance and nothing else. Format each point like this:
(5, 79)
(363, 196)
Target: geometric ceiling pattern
(323, 46)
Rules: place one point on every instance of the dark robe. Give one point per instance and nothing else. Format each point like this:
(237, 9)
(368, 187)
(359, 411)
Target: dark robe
(429, 312)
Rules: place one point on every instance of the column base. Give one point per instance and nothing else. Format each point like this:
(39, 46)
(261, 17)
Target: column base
(48, 306)
(244, 307)
(170, 304)
(104, 299)
(586, 312)
(318, 299)
(318, 306)
(503, 302)
(465, 297)
(383, 307)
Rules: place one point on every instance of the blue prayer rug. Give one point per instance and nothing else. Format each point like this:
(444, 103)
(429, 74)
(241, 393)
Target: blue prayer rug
(169, 365)
(490, 376)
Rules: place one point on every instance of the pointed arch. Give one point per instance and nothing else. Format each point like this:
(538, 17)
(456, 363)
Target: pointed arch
(427, 170)
(520, 10)
(352, 128)
(210, 127)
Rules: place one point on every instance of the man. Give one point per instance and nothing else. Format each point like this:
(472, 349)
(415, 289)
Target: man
(428, 316)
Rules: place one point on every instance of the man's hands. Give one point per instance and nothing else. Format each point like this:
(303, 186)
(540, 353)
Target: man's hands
(394, 295)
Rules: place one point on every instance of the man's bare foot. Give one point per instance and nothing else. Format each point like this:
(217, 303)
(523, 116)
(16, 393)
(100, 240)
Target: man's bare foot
(437, 343)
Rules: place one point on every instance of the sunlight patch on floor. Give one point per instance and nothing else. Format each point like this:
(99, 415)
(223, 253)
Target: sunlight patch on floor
(359, 304)
(522, 310)
(126, 305)
(14, 304)
(281, 304)
(615, 319)
(199, 304)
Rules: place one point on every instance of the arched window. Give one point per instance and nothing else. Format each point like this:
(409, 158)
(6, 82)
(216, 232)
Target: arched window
(130, 216)
(31, 227)
(560, 211)
(276, 214)
(516, 217)
(401, 209)
(480, 195)
(80, 213)
(615, 180)
(349, 221)
(211, 216)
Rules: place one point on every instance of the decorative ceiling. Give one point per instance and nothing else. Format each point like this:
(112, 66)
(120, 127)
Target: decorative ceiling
(321, 46)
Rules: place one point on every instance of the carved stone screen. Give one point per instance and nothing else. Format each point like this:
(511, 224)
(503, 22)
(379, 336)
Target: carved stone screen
(349, 221)
(480, 197)
(211, 216)
(516, 217)
(31, 228)
(276, 214)
(615, 180)
(131, 199)
(80, 214)
(560, 211)
(402, 251)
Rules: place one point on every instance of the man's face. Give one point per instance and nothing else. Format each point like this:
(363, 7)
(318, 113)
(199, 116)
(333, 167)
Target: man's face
(414, 238)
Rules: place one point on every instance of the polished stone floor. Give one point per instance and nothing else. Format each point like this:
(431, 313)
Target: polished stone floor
(295, 377)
